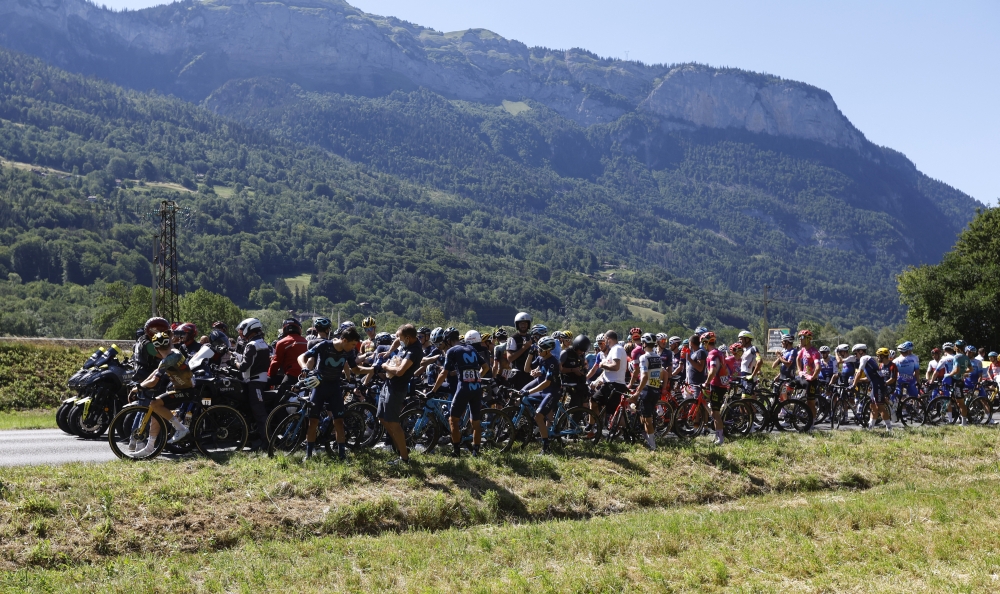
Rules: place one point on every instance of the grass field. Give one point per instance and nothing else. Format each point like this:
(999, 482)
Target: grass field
(28, 419)
(847, 511)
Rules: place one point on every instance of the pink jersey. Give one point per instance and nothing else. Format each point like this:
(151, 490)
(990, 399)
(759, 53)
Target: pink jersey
(809, 360)
(733, 364)
(721, 379)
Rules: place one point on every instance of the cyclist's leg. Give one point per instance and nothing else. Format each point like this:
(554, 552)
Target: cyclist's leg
(459, 402)
(717, 397)
(647, 410)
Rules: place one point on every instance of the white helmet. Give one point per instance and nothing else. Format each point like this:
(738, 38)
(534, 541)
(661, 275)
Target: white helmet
(522, 317)
(842, 348)
(249, 325)
(473, 337)
(745, 334)
(859, 347)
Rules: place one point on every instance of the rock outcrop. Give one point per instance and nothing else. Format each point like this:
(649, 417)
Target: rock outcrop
(192, 48)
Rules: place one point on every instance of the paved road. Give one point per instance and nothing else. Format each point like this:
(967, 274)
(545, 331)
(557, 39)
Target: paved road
(23, 447)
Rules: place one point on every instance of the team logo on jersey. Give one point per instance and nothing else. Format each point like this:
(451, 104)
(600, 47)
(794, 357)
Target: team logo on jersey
(469, 357)
(330, 361)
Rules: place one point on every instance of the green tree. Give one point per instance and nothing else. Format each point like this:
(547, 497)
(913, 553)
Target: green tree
(204, 307)
(960, 297)
(133, 316)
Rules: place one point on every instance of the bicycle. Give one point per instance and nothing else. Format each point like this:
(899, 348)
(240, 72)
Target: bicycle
(426, 428)
(568, 424)
(694, 414)
(290, 434)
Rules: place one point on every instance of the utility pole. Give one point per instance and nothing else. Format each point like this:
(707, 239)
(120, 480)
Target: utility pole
(165, 295)
(766, 301)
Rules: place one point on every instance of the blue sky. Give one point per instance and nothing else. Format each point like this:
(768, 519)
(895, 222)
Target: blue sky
(920, 77)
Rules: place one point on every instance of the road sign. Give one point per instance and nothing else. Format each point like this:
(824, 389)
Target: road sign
(774, 338)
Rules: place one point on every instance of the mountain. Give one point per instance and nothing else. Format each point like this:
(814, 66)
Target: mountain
(726, 178)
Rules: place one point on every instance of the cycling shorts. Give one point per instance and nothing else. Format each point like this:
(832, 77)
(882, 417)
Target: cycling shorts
(647, 402)
(717, 397)
(467, 398)
(578, 393)
(604, 396)
(908, 387)
(542, 402)
(327, 396)
(879, 392)
(811, 387)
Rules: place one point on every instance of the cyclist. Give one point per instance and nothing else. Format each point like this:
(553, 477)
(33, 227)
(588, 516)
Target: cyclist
(467, 365)
(400, 371)
(501, 366)
(807, 368)
(716, 382)
(368, 344)
(677, 372)
(827, 365)
(868, 367)
(329, 358)
(253, 364)
(908, 366)
(573, 366)
(955, 364)
(614, 367)
(975, 370)
(666, 359)
(634, 349)
(542, 392)
(750, 362)
(647, 392)
(696, 363)
(284, 369)
(887, 369)
(518, 350)
(430, 364)
(173, 367)
(786, 358)
(733, 355)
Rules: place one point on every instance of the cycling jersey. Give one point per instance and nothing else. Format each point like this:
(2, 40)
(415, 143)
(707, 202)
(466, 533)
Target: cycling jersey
(431, 372)
(975, 373)
(888, 371)
(870, 367)
(174, 366)
(848, 367)
(787, 370)
(465, 363)
(808, 358)
(734, 366)
(571, 360)
(549, 367)
(963, 364)
(908, 366)
(651, 365)
(721, 379)
(827, 367)
(749, 360)
(330, 361)
(667, 359)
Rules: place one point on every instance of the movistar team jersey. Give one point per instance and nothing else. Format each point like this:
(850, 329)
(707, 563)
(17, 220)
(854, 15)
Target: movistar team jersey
(330, 361)
(464, 363)
(549, 367)
(908, 366)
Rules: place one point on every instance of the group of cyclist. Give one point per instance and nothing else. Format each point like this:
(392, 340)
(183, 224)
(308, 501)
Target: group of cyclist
(543, 367)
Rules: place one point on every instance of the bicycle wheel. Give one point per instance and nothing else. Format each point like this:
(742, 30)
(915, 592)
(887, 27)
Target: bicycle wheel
(937, 410)
(911, 412)
(759, 414)
(792, 415)
(220, 431)
(663, 418)
(363, 429)
(822, 408)
(980, 411)
(690, 419)
(737, 419)
(122, 433)
(289, 435)
(497, 430)
(422, 433)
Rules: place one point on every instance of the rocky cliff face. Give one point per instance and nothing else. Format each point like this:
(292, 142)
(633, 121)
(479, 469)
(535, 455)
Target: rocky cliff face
(192, 48)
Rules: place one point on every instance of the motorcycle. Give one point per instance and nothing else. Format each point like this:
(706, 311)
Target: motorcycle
(101, 386)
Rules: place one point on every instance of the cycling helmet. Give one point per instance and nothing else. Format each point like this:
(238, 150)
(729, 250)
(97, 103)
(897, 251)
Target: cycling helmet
(155, 326)
(674, 340)
(368, 322)
(959, 344)
(648, 338)
(685, 342)
(251, 325)
(473, 337)
(744, 334)
(601, 338)
(291, 326)
(538, 330)
(786, 338)
(451, 334)
(970, 349)
(218, 341)
(522, 317)
(634, 331)
(661, 336)
(383, 338)
(161, 340)
(806, 333)
(824, 349)
(346, 325)
(322, 324)
(423, 330)
(437, 335)
(892, 354)
(723, 348)
(842, 348)
(905, 347)
(547, 343)
(882, 352)
(708, 337)
(992, 354)
(581, 343)
(935, 351)
(736, 346)
(859, 347)
(500, 334)
(948, 345)
(700, 330)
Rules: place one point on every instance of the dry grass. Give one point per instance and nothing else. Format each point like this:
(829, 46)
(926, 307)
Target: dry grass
(81, 513)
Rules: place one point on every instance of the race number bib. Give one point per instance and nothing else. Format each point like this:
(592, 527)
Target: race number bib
(654, 378)
(470, 376)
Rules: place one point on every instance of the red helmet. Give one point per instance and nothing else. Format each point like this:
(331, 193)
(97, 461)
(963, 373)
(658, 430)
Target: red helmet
(187, 329)
(736, 346)
(155, 325)
(935, 351)
(708, 337)
(807, 333)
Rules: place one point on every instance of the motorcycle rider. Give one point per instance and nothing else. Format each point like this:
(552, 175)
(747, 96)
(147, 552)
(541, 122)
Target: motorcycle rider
(253, 363)
(284, 363)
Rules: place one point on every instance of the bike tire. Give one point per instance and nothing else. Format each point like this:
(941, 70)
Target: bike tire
(690, 419)
(911, 412)
(121, 433)
(220, 431)
(498, 431)
(980, 411)
(937, 410)
(571, 426)
(797, 416)
(365, 430)
(663, 418)
(737, 419)
(289, 435)
(422, 434)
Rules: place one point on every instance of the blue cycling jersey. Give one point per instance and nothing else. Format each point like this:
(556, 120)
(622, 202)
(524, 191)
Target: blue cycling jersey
(909, 367)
